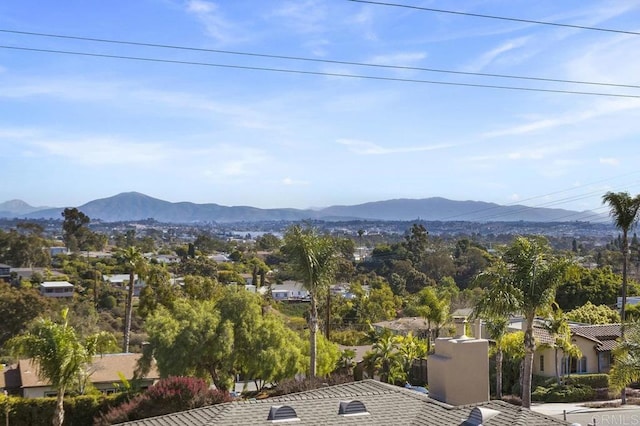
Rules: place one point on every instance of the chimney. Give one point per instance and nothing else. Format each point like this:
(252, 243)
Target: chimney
(458, 370)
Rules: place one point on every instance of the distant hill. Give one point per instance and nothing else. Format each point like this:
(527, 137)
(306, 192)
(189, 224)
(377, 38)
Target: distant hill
(14, 208)
(136, 206)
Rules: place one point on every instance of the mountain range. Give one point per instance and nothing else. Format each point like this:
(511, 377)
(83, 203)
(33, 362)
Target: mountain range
(131, 206)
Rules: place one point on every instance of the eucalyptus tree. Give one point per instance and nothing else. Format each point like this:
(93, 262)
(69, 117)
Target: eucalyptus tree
(59, 354)
(313, 257)
(135, 264)
(623, 208)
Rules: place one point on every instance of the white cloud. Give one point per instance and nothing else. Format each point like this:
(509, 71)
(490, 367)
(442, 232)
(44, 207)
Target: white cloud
(587, 112)
(610, 161)
(104, 151)
(369, 148)
(398, 59)
(303, 16)
(291, 182)
(492, 55)
(216, 25)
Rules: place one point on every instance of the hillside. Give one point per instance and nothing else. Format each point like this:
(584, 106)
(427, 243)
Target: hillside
(136, 206)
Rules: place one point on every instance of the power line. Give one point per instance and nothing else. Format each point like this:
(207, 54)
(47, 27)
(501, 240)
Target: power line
(502, 18)
(307, 59)
(319, 73)
(560, 201)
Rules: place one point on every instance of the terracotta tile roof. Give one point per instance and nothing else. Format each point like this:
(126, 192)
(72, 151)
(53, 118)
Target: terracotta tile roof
(103, 369)
(605, 335)
(385, 405)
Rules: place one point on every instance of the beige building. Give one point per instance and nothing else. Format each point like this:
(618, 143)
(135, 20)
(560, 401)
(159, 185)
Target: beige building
(595, 342)
(104, 373)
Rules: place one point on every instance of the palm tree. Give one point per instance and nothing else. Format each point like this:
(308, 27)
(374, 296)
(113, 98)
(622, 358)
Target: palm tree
(384, 357)
(495, 307)
(624, 210)
(135, 263)
(525, 280)
(626, 365)
(59, 354)
(313, 258)
(556, 324)
(535, 277)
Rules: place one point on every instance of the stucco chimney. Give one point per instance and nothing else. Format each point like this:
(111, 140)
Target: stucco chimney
(458, 371)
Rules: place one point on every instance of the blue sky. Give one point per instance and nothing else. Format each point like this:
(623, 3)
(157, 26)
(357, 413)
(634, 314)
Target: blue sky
(75, 128)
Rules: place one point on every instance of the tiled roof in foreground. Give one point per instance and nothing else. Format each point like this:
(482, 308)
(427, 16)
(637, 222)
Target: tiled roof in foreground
(385, 405)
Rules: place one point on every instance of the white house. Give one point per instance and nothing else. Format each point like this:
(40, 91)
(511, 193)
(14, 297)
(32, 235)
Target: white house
(288, 290)
(56, 289)
(122, 280)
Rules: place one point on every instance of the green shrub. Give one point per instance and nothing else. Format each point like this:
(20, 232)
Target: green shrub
(593, 380)
(349, 337)
(169, 395)
(563, 393)
(79, 411)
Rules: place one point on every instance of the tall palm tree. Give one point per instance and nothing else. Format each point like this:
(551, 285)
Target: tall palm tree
(535, 275)
(558, 327)
(313, 258)
(59, 354)
(136, 264)
(624, 210)
(495, 307)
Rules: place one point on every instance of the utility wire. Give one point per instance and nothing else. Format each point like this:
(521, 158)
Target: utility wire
(326, 74)
(519, 202)
(307, 59)
(502, 18)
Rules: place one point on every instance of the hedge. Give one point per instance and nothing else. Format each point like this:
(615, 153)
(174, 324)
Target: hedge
(78, 411)
(593, 380)
(563, 393)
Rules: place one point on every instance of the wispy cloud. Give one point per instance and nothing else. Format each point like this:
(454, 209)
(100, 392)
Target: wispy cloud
(398, 59)
(369, 148)
(291, 182)
(610, 161)
(103, 151)
(494, 54)
(586, 113)
(307, 16)
(219, 28)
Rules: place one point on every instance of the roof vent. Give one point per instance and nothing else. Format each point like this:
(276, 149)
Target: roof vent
(352, 408)
(282, 413)
(480, 415)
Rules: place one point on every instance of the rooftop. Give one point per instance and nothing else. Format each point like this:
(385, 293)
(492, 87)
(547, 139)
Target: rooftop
(384, 405)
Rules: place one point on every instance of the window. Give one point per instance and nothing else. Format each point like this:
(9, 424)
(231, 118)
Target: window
(574, 365)
(541, 363)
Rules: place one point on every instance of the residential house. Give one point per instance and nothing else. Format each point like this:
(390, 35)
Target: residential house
(368, 402)
(122, 280)
(287, 291)
(5, 273)
(54, 251)
(104, 373)
(596, 343)
(56, 289)
(416, 325)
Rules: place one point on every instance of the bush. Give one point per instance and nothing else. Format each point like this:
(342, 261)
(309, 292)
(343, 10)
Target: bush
(593, 380)
(349, 337)
(300, 385)
(563, 393)
(79, 410)
(167, 396)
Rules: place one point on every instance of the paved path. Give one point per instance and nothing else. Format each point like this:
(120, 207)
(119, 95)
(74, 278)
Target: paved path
(577, 413)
